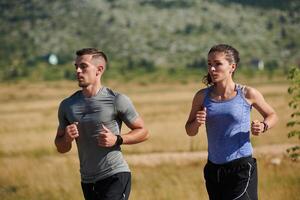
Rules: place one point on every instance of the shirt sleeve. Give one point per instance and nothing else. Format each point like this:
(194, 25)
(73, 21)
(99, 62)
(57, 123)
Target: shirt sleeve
(125, 109)
(62, 120)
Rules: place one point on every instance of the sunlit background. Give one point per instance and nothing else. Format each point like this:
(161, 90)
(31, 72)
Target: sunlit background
(157, 56)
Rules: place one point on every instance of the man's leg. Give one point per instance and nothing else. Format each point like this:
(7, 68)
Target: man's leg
(88, 191)
(116, 187)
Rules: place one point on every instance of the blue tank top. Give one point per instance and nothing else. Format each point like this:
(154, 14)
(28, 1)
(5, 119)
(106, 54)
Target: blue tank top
(227, 127)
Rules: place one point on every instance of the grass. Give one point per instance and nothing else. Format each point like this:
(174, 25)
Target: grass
(31, 169)
(57, 177)
(187, 181)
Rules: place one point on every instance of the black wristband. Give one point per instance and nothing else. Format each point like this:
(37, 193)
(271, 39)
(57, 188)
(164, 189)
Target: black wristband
(265, 126)
(119, 140)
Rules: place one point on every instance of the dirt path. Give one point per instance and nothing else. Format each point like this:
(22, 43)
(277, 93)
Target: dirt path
(154, 159)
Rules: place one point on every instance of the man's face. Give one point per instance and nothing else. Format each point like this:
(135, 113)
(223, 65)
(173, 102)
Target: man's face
(87, 71)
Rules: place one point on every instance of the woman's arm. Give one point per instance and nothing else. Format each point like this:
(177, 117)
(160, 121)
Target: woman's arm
(270, 117)
(197, 115)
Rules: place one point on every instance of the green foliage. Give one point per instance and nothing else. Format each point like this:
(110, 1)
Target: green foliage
(166, 4)
(279, 4)
(146, 34)
(294, 90)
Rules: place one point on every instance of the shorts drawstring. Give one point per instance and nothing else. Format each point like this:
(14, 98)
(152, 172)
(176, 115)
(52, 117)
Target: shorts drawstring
(249, 176)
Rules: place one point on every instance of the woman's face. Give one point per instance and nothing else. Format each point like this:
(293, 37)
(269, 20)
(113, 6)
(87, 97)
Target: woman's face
(219, 67)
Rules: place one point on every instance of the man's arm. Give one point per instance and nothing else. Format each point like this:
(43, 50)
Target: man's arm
(138, 132)
(60, 142)
(64, 138)
(130, 117)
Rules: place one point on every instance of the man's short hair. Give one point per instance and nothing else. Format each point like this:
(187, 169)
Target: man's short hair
(92, 51)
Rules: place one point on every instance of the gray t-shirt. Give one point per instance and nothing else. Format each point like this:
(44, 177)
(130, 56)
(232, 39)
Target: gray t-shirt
(109, 108)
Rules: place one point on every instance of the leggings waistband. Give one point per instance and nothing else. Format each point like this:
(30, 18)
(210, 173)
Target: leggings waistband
(233, 163)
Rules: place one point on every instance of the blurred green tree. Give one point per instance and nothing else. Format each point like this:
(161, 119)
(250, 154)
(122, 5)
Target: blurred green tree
(294, 90)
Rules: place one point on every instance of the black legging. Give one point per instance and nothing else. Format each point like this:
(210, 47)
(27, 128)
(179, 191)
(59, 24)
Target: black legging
(236, 180)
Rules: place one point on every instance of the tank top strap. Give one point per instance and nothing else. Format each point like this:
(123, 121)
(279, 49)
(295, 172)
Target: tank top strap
(240, 89)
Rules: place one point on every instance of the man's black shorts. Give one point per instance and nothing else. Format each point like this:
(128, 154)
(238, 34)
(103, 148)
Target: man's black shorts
(116, 187)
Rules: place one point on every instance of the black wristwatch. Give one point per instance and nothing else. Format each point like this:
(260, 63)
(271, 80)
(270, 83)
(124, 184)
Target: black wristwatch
(119, 140)
(265, 126)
